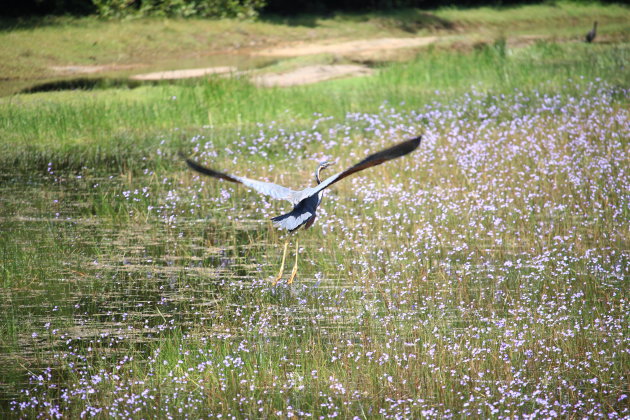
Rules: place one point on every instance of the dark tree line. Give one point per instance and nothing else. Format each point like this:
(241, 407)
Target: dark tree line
(221, 8)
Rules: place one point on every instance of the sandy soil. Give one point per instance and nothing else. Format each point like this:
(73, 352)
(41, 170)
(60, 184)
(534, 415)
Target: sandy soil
(311, 74)
(347, 47)
(183, 74)
(304, 75)
(362, 49)
(92, 69)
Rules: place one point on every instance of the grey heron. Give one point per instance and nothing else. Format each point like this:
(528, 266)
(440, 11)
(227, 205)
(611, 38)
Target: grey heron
(590, 36)
(306, 201)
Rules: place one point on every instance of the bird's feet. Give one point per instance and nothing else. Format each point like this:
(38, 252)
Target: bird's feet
(284, 256)
(294, 271)
(293, 274)
(277, 279)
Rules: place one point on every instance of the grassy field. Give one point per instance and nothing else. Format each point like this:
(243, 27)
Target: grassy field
(31, 49)
(483, 275)
(113, 126)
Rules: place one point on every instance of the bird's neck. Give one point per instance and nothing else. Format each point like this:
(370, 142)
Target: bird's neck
(317, 179)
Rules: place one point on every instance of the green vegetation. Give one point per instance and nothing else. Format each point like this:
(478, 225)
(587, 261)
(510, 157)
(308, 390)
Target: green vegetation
(152, 43)
(483, 275)
(102, 127)
(179, 8)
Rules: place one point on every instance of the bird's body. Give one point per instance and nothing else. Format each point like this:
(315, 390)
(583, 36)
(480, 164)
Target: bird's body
(304, 212)
(590, 36)
(306, 201)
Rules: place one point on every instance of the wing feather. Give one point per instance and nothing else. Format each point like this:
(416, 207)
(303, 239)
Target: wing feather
(267, 188)
(375, 159)
(291, 221)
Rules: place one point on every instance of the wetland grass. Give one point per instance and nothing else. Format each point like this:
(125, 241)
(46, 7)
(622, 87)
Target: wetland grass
(120, 129)
(484, 276)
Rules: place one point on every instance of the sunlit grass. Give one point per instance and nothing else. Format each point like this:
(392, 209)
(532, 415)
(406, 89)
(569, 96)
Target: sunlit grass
(526, 14)
(91, 41)
(117, 128)
(482, 275)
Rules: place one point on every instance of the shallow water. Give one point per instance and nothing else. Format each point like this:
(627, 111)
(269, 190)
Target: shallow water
(68, 269)
(72, 275)
(418, 287)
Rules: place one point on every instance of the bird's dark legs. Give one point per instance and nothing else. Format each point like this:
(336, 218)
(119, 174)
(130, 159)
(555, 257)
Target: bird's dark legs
(294, 272)
(284, 256)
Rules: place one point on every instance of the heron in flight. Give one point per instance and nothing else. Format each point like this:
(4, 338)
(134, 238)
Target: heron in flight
(306, 201)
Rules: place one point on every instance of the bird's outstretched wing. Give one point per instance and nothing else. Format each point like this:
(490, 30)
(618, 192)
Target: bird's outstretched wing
(268, 188)
(377, 158)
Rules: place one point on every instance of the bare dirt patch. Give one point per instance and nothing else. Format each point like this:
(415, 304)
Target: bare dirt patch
(311, 74)
(77, 69)
(183, 74)
(347, 47)
(307, 74)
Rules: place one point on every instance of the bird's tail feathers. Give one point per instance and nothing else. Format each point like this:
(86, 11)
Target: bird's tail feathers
(291, 221)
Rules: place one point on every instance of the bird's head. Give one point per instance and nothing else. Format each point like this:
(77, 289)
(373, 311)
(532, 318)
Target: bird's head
(326, 164)
(322, 165)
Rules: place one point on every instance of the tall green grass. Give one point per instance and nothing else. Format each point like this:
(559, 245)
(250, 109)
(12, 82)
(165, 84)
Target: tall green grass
(113, 307)
(484, 277)
(116, 127)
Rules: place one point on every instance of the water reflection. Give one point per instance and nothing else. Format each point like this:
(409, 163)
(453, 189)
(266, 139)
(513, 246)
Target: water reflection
(76, 281)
